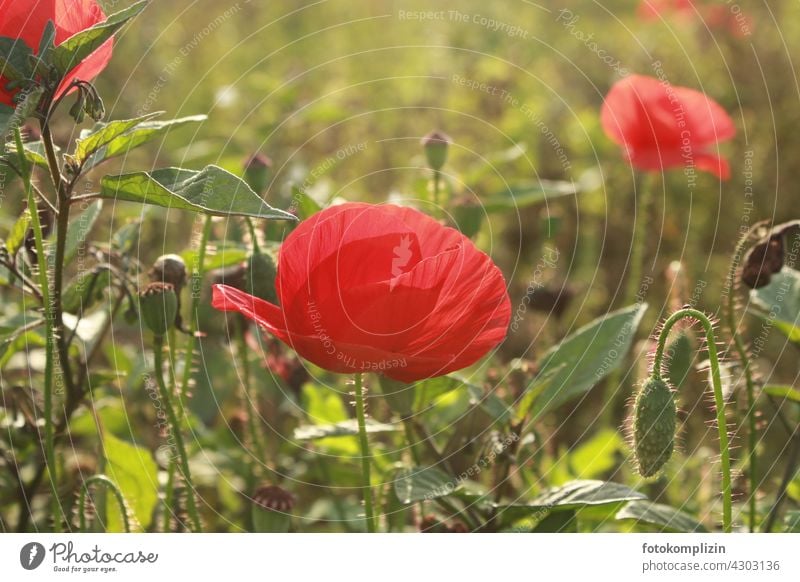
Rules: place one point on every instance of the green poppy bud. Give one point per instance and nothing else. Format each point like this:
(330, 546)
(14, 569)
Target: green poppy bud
(654, 420)
(260, 277)
(272, 509)
(257, 172)
(158, 305)
(436, 144)
(169, 269)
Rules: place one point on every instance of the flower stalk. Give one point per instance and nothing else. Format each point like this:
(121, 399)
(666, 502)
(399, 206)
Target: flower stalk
(719, 400)
(366, 458)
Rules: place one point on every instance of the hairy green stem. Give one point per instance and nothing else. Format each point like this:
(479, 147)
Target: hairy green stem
(49, 317)
(250, 400)
(716, 380)
(175, 427)
(195, 290)
(741, 350)
(109, 485)
(366, 459)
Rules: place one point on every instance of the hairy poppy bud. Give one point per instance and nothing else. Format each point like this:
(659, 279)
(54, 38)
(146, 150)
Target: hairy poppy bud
(272, 509)
(654, 417)
(169, 269)
(260, 277)
(158, 304)
(257, 171)
(436, 144)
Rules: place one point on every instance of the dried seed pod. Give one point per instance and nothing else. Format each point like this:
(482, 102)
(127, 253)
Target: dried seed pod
(169, 269)
(762, 261)
(654, 420)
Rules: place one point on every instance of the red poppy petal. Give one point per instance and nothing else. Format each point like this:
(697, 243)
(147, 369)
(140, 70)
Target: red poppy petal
(267, 315)
(706, 120)
(715, 164)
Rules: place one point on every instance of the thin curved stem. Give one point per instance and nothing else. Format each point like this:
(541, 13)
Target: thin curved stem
(175, 427)
(49, 317)
(741, 350)
(719, 400)
(108, 484)
(366, 478)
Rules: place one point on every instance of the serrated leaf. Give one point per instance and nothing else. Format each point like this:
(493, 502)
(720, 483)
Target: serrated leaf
(586, 357)
(422, 484)
(343, 428)
(135, 472)
(523, 195)
(664, 516)
(136, 136)
(78, 47)
(211, 191)
(103, 133)
(17, 234)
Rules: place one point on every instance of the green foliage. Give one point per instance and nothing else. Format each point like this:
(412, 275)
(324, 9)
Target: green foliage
(211, 191)
(135, 472)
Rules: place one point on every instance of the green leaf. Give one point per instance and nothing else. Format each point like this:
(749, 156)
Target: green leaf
(34, 153)
(779, 303)
(343, 428)
(15, 59)
(586, 357)
(86, 289)
(129, 139)
(133, 469)
(220, 257)
(14, 118)
(489, 402)
(422, 484)
(103, 133)
(306, 205)
(784, 392)
(523, 195)
(78, 47)
(17, 234)
(211, 191)
(666, 517)
(323, 405)
(597, 455)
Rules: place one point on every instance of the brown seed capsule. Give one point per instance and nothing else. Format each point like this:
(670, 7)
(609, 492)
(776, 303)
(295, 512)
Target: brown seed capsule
(762, 261)
(169, 269)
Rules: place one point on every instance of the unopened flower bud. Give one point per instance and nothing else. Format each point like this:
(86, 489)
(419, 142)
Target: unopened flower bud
(654, 419)
(260, 277)
(158, 305)
(436, 144)
(257, 172)
(272, 509)
(169, 269)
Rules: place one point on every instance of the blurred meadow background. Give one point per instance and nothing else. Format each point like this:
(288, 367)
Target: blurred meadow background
(338, 95)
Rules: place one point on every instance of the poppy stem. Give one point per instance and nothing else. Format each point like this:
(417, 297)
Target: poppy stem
(744, 360)
(175, 428)
(44, 284)
(437, 178)
(719, 400)
(644, 198)
(366, 458)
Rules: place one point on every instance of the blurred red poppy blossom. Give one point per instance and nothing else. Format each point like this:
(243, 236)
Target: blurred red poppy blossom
(661, 126)
(381, 288)
(27, 19)
(716, 16)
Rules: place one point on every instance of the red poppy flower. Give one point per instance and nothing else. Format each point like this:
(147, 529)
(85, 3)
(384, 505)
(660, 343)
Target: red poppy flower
(26, 19)
(381, 288)
(654, 9)
(663, 127)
